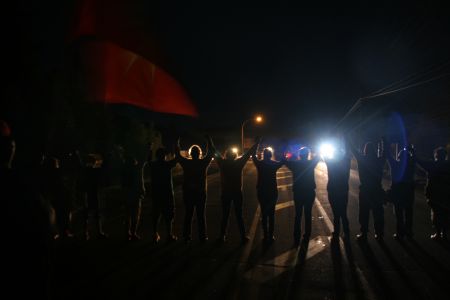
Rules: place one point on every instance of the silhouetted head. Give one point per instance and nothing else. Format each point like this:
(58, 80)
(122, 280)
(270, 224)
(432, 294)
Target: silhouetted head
(304, 153)
(160, 154)
(195, 152)
(7, 145)
(369, 149)
(230, 155)
(440, 154)
(267, 154)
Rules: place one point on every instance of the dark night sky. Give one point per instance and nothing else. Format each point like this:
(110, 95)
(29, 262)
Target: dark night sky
(293, 64)
(293, 67)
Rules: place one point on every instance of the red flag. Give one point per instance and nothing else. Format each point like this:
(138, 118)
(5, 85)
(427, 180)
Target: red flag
(115, 73)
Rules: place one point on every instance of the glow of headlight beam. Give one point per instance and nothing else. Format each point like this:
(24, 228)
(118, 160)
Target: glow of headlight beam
(327, 150)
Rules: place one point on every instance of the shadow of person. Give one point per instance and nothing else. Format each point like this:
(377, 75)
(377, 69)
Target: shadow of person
(382, 287)
(296, 281)
(357, 284)
(336, 258)
(409, 284)
(431, 265)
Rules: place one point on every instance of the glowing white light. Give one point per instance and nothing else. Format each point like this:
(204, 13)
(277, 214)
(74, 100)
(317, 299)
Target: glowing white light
(327, 150)
(190, 149)
(234, 150)
(270, 149)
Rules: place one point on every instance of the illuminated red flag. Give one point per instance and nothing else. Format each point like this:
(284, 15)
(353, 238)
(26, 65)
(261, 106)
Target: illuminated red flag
(114, 72)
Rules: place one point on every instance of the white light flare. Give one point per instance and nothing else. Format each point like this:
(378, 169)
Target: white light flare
(327, 150)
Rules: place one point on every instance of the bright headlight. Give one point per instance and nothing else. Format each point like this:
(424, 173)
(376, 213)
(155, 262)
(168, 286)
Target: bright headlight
(327, 150)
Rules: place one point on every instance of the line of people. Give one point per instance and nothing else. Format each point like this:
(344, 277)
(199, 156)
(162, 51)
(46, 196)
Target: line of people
(371, 162)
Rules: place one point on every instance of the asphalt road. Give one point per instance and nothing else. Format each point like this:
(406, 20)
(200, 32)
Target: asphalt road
(118, 269)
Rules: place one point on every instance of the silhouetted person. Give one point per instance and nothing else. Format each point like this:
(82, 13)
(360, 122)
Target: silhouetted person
(303, 186)
(57, 194)
(338, 168)
(133, 182)
(25, 229)
(402, 191)
(91, 184)
(267, 192)
(161, 190)
(371, 193)
(231, 188)
(194, 189)
(437, 191)
(72, 170)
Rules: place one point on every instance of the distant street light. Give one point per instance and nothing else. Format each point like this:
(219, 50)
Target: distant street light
(256, 119)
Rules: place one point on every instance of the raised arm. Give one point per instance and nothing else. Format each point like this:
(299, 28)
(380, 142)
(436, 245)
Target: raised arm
(251, 151)
(178, 155)
(211, 150)
(173, 162)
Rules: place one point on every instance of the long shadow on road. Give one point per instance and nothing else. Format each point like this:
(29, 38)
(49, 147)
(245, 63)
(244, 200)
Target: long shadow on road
(295, 282)
(435, 269)
(382, 288)
(357, 284)
(411, 287)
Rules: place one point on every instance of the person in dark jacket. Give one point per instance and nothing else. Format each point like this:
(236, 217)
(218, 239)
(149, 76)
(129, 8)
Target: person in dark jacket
(437, 191)
(267, 191)
(231, 187)
(57, 194)
(194, 189)
(303, 186)
(371, 193)
(133, 182)
(161, 190)
(91, 184)
(401, 193)
(338, 168)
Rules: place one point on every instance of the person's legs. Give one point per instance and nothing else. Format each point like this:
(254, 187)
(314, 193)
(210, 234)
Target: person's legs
(134, 211)
(364, 209)
(238, 202)
(378, 214)
(298, 203)
(343, 202)
(156, 216)
(200, 208)
(311, 195)
(226, 206)
(271, 213)
(189, 212)
(169, 214)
